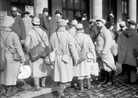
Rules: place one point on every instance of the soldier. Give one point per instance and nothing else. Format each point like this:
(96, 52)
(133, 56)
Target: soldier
(65, 55)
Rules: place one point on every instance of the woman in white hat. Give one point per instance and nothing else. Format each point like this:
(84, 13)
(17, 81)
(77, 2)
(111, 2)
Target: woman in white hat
(12, 45)
(33, 39)
(86, 51)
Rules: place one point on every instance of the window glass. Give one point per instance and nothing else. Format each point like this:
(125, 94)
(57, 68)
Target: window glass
(70, 4)
(70, 15)
(64, 3)
(14, 0)
(77, 4)
(83, 4)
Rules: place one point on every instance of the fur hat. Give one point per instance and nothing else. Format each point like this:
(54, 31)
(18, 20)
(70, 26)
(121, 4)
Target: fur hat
(7, 21)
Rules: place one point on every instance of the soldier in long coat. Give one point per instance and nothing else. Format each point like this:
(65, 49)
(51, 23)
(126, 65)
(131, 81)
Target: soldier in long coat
(73, 30)
(11, 44)
(66, 54)
(85, 45)
(32, 40)
(103, 48)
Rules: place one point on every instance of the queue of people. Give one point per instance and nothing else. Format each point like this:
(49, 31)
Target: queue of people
(77, 49)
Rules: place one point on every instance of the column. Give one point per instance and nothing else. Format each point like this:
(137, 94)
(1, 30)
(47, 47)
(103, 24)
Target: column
(39, 5)
(119, 13)
(97, 9)
(132, 9)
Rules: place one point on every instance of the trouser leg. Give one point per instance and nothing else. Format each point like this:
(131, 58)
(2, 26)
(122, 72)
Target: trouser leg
(133, 74)
(43, 81)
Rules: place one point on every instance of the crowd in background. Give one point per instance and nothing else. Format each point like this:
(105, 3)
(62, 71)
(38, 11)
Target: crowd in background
(80, 44)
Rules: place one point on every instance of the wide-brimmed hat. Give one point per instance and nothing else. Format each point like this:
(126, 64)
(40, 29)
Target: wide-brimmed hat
(101, 20)
(62, 22)
(92, 21)
(7, 21)
(36, 21)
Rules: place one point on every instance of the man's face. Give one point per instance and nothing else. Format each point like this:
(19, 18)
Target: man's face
(99, 24)
(46, 13)
(14, 11)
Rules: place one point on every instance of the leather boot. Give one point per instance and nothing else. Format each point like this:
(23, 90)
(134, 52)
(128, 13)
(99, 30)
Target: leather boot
(81, 85)
(110, 76)
(88, 83)
(106, 78)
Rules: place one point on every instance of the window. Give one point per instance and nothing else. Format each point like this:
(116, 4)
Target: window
(70, 7)
(124, 6)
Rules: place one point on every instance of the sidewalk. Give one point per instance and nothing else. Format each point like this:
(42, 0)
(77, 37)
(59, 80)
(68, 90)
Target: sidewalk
(26, 91)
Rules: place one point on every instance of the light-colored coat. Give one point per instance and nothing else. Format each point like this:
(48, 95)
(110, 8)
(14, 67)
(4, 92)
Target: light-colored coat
(63, 72)
(103, 47)
(84, 68)
(28, 23)
(31, 41)
(72, 31)
(10, 73)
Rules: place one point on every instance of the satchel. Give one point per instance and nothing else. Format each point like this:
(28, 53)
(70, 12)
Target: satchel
(38, 51)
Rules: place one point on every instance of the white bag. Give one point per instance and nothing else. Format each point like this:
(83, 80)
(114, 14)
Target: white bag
(25, 72)
(52, 56)
(118, 69)
(114, 48)
(95, 69)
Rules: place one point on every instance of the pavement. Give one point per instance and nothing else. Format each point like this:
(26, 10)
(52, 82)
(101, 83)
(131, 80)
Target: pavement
(120, 90)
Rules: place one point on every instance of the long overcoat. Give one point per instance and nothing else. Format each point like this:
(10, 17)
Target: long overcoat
(31, 41)
(63, 72)
(84, 68)
(128, 47)
(11, 71)
(103, 47)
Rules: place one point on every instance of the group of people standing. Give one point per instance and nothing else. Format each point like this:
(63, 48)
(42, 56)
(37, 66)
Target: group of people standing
(79, 45)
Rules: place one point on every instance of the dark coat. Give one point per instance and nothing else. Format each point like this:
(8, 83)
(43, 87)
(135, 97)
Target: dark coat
(53, 25)
(128, 47)
(86, 26)
(44, 23)
(93, 32)
(19, 28)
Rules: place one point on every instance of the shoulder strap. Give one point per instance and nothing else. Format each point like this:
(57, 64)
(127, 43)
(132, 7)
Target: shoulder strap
(5, 44)
(40, 37)
(79, 42)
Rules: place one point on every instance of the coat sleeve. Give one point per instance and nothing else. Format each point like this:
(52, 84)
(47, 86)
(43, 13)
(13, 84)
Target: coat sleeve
(22, 26)
(28, 43)
(46, 24)
(73, 49)
(107, 41)
(18, 47)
